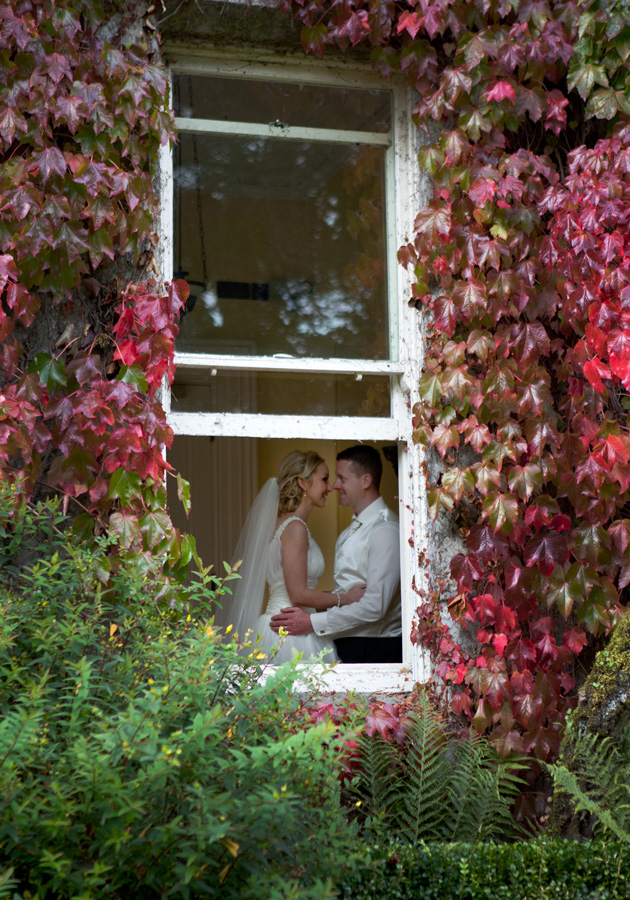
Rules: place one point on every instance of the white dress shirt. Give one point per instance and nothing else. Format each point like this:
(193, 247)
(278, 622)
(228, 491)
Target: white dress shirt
(367, 552)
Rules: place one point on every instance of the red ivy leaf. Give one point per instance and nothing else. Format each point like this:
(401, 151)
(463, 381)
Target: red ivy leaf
(594, 371)
(546, 551)
(528, 340)
(354, 25)
(409, 21)
(70, 110)
(445, 313)
(10, 121)
(466, 569)
(507, 742)
(48, 161)
(522, 652)
(482, 190)
(384, 721)
(575, 640)
(8, 270)
(56, 67)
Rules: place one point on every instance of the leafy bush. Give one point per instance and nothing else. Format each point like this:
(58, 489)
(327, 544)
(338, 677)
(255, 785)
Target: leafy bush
(538, 870)
(434, 784)
(139, 754)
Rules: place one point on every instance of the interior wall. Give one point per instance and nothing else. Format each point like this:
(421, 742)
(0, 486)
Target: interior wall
(225, 475)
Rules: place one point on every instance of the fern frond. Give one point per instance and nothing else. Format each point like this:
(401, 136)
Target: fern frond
(497, 791)
(596, 759)
(481, 793)
(377, 780)
(599, 781)
(421, 810)
(569, 782)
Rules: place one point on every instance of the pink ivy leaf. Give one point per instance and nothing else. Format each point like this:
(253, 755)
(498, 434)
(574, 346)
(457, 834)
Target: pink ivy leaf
(501, 90)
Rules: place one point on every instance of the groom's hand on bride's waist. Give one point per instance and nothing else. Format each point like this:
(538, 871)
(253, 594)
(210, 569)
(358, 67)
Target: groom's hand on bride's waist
(293, 619)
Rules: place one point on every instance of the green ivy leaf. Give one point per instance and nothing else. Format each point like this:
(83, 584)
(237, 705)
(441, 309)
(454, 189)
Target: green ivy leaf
(183, 492)
(582, 77)
(429, 388)
(501, 510)
(437, 497)
(431, 159)
(134, 376)
(594, 617)
(188, 549)
(622, 44)
(156, 527)
(525, 480)
(563, 594)
(458, 482)
(474, 123)
(51, 371)
(591, 543)
(603, 104)
(103, 569)
(101, 244)
(126, 527)
(125, 486)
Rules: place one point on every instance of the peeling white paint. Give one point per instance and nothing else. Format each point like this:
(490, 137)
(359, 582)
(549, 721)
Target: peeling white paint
(389, 678)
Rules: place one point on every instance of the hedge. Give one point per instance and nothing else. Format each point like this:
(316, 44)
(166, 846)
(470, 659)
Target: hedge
(536, 870)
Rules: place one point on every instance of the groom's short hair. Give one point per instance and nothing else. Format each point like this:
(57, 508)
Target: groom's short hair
(365, 460)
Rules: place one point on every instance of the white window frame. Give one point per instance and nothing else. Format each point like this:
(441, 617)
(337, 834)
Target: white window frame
(402, 192)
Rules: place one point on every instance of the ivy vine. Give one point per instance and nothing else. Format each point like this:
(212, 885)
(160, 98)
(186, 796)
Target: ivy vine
(522, 266)
(86, 338)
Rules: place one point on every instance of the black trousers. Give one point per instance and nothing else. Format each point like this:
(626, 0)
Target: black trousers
(369, 649)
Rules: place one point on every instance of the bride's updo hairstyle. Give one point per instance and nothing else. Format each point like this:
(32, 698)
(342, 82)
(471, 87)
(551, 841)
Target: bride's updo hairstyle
(298, 464)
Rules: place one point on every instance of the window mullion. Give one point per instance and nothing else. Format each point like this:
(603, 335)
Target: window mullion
(288, 364)
(283, 132)
(342, 428)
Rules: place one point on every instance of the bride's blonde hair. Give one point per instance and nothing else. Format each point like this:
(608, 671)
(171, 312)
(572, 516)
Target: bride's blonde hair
(297, 464)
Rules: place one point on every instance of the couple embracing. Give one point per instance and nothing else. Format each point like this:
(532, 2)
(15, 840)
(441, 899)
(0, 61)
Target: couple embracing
(358, 622)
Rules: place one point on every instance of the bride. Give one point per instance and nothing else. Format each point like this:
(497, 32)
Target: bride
(276, 546)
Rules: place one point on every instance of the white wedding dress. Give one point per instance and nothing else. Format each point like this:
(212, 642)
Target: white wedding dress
(310, 644)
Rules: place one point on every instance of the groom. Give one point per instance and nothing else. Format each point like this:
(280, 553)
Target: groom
(367, 552)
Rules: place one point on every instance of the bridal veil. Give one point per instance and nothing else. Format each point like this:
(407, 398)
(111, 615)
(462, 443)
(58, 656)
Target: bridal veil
(242, 609)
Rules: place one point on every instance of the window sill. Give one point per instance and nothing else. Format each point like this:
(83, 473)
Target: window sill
(389, 678)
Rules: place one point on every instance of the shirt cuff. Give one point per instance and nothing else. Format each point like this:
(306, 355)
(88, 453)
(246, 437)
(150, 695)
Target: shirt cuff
(319, 621)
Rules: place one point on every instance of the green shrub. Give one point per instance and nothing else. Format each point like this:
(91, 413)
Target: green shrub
(140, 756)
(535, 870)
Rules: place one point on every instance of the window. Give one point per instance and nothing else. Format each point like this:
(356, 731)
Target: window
(291, 192)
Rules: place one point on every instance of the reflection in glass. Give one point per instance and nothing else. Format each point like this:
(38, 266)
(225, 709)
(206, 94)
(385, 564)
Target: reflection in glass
(297, 105)
(286, 241)
(279, 393)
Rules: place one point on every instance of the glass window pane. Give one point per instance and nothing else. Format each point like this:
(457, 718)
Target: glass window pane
(283, 243)
(299, 105)
(226, 473)
(279, 393)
